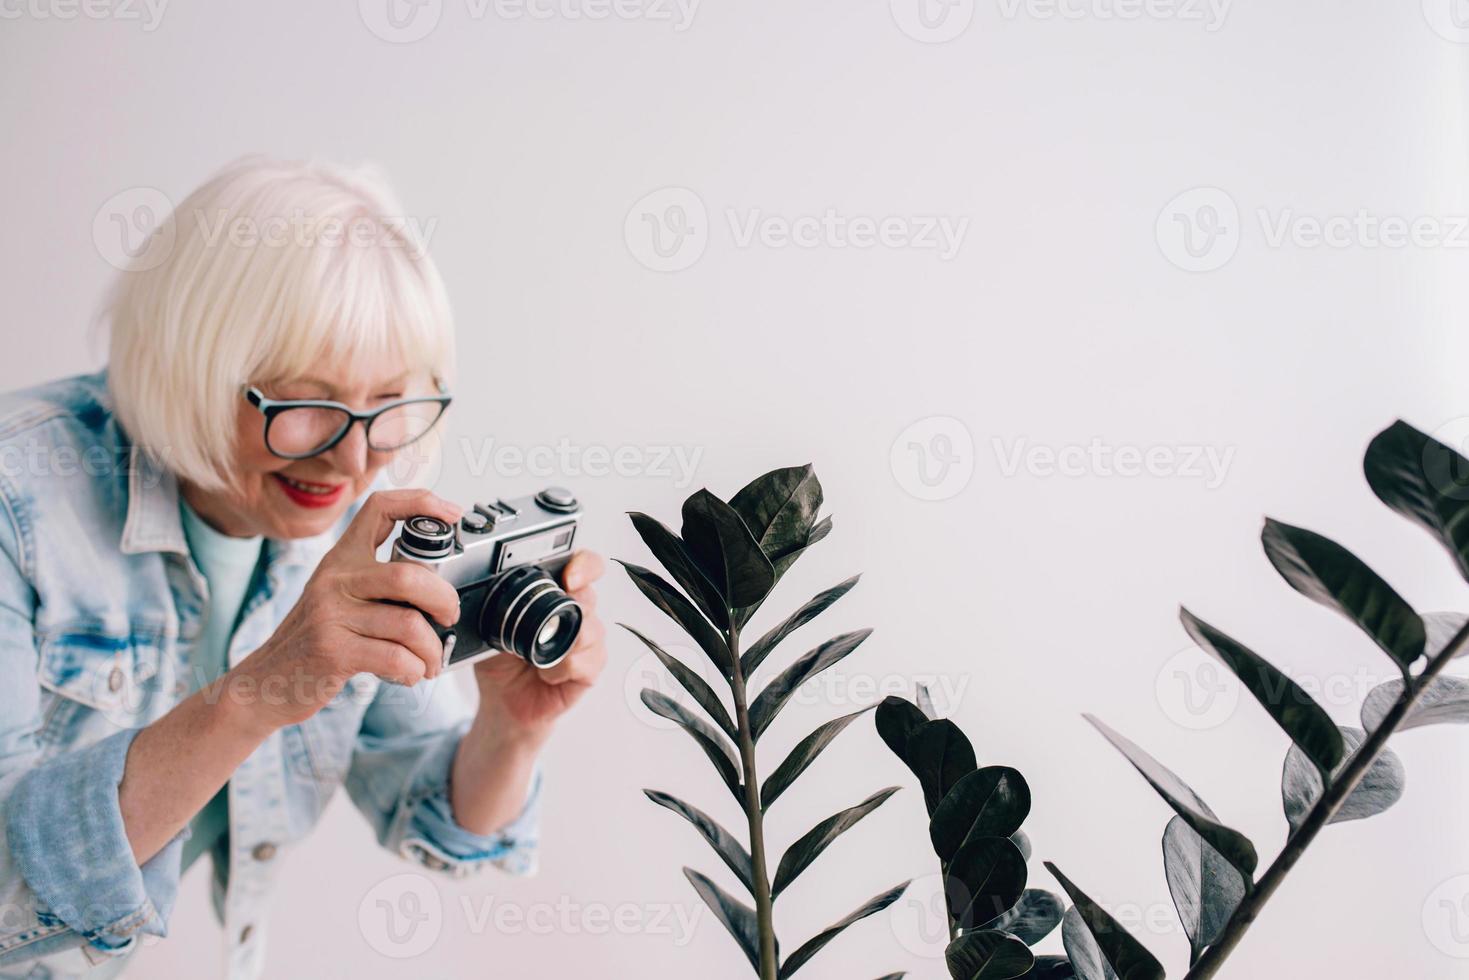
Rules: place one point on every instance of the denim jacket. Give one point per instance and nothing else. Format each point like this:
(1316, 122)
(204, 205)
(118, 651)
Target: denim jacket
(100, 603)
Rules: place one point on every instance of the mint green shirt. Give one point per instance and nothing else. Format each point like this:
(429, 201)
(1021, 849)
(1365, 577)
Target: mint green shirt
(228, 564)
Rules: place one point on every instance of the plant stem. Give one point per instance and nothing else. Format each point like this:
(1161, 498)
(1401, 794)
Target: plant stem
(1331, 801)
(764, 905)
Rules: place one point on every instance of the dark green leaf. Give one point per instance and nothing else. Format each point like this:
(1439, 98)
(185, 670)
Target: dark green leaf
(984, 881)
(786, 559)
(1126, 957)
(1086, 957)
(989, 802)
(755, 655)
(898, 718)
(669, 549)
(715, 747)
(800, 854)
(817, 942)
(1051, 968)
(701, 692)
(802, 756)
(1425, 481)
(1236, 847)
(1302, 719)
(1323, 570)
(721, 545)
(1380, 788)
(780, 508)
(1032, 918)
(783, 563)
(988, 956)
(1206, 889)
(939, 755)
(780, 690)
(730, 850)
(737, 917)
(682, 612)
(1022, 841)
(1444, 702)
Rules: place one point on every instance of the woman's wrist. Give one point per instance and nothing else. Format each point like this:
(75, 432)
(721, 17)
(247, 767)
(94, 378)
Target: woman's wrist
(247, 719)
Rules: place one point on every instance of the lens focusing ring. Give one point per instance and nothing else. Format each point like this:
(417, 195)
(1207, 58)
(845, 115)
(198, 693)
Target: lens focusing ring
(519, 607)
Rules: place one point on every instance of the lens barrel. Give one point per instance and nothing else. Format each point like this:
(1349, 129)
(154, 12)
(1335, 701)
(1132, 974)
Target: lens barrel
(528, 614)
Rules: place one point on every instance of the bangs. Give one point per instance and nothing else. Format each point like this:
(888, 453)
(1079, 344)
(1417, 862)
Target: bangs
(354, 306)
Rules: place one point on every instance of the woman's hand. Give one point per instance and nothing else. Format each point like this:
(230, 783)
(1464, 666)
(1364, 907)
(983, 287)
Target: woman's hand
(519, 702)
(342, 624)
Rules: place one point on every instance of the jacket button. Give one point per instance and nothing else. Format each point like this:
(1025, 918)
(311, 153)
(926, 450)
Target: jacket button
(245, 934)
(114, 679)
(263, 852)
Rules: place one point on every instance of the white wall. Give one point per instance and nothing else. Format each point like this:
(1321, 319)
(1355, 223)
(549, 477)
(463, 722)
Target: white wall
(1060, 320)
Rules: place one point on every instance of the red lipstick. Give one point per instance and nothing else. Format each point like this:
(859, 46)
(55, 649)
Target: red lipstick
(305, 493)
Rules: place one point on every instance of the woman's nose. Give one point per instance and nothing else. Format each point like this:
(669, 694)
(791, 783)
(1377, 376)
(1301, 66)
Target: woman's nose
(350, 457)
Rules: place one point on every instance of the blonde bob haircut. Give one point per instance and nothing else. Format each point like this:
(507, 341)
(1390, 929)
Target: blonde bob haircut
(269, 269)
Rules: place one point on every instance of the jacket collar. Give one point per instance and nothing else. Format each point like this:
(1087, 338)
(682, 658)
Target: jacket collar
(153, 522)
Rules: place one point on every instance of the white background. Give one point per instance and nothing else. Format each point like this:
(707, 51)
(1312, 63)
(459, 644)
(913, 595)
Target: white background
(1064, 317)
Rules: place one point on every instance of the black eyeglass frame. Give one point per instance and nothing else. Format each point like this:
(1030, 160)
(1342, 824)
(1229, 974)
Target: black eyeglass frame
(273, 407)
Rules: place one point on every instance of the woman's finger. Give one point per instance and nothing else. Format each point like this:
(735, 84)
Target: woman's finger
(374, 522)
(584, 568)
(388, 660)
(402, 625)
(585, 597)
(585, 661)
(405, 581)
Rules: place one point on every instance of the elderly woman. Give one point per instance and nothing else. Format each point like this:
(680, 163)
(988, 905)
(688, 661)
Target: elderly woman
(197, 641)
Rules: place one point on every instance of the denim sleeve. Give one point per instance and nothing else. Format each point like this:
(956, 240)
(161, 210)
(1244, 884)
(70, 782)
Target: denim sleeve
(70, 889)
(399, 779)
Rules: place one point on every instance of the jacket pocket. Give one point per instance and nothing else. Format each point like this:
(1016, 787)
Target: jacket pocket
(93, 672)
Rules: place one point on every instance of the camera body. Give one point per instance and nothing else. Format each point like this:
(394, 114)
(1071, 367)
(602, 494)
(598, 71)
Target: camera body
(504, 558)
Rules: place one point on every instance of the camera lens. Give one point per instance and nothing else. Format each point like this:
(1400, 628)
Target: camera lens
(528, 614)
(426, 537)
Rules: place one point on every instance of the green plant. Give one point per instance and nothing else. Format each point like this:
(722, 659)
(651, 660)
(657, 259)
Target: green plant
(1331, 773)
(974, 825)
(726, 561)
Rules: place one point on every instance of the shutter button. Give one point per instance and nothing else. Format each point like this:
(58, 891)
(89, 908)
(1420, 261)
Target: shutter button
(114, 679)
(263, 852)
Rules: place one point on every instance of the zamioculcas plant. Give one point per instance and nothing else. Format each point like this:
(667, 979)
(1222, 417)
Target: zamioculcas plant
(726, 560)
(974, 822)
(1331, 773)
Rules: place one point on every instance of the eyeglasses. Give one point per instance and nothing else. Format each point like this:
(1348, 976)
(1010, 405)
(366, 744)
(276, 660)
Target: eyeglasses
(298, 428)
